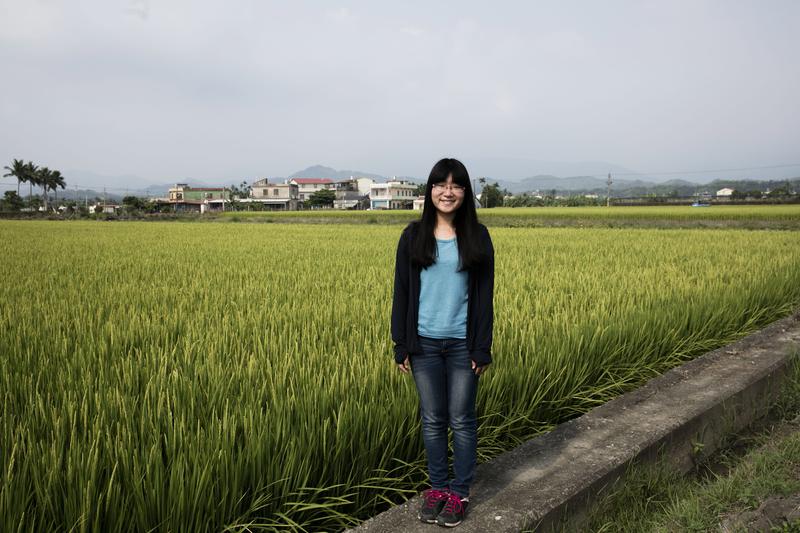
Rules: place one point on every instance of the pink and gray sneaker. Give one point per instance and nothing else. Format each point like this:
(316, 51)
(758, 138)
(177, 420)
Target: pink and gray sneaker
(432, 502)
(454, 510)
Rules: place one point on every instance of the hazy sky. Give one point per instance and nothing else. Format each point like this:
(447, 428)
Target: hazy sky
(219, 90)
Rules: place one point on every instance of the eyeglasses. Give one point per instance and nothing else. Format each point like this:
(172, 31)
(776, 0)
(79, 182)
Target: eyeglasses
(458, 189)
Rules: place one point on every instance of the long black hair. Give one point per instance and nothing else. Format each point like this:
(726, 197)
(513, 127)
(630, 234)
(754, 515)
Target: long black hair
(468, 231)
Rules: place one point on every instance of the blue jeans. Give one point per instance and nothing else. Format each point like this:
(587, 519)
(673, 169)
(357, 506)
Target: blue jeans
(447, 387)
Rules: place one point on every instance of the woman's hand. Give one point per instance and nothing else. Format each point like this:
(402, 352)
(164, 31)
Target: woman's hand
(479, 369)
(403, 367)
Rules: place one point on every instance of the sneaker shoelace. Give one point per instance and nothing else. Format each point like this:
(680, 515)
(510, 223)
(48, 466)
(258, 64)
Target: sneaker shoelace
(433, 496)
(453, 504)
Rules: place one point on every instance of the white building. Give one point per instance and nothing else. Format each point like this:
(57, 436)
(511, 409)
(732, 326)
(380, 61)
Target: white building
(727, 191)
(308, 186)
(394, 194)
(104, 208)
(364, 184)
(278, 196)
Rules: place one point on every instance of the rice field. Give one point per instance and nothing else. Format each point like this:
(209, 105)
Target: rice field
(240, 377)
(786, 216)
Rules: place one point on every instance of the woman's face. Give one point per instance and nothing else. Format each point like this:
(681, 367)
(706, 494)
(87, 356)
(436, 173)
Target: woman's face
(447, 196)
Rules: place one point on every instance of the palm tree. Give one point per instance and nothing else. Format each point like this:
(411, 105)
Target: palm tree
(17, 170)
(31, 176)
(482, 181)
(43, 180)
(57, 180)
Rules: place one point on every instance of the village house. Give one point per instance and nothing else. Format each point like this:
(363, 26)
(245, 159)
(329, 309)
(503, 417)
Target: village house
(111, 209)
(352, 193)
(727, 191)
(394, 194)
(274, 196)
(308, 186)
(200, 199)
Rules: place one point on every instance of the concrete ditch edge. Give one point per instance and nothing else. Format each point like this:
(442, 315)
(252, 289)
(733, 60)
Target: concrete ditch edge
(550, 481)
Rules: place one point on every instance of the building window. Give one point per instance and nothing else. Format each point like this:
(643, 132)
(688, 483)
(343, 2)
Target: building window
(274, 192)
(264, 192)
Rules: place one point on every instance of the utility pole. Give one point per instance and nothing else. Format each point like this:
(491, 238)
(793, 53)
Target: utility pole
(608, 194)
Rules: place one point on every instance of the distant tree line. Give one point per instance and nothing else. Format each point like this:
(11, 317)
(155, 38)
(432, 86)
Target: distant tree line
(784, 191)
(33, 175)
(743, 189)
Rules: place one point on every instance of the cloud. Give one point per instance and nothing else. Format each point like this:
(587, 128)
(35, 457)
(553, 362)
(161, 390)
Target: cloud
(412, 31)
(200, 89)
(139, 8)
(341, 14)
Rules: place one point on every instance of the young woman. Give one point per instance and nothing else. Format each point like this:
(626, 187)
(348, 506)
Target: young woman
(442, 317)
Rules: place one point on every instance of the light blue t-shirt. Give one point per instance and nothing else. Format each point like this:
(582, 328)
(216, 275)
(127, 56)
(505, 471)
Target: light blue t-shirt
(443, 295)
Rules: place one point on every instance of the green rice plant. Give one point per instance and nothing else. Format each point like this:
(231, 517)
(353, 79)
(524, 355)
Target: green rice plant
(240, 376)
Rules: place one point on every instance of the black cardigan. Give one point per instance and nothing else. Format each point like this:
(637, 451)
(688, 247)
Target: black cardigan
(405, 307)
